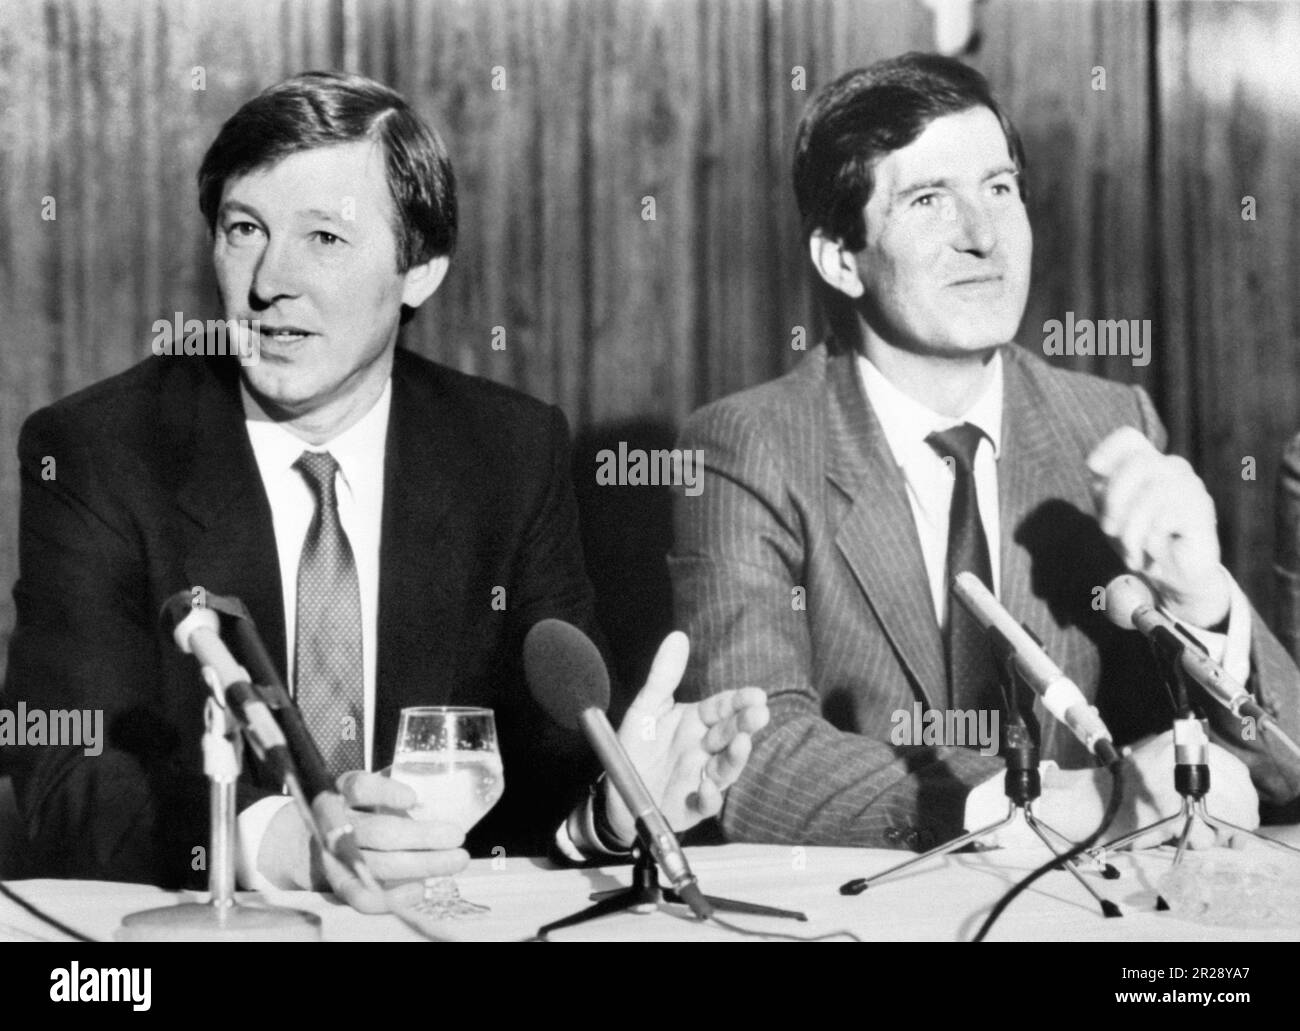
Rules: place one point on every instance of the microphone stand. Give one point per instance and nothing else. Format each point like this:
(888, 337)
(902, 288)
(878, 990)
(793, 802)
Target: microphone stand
(647, 891)
(1023, 785)
(1191, 768)
(221, 918)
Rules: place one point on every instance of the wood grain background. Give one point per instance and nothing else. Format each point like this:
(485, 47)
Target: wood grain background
(628, 324)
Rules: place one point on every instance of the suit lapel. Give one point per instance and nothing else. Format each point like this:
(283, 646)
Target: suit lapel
(877, 535)
(229, 545)
(1041, 481)
(426, 469)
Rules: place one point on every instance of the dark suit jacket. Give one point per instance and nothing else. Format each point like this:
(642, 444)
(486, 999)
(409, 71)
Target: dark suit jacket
(797, 568)
(156, 489)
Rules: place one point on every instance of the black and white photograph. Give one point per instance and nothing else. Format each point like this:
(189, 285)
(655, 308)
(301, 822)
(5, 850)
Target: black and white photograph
(651, 471)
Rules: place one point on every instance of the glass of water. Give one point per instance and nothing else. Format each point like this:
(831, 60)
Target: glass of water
(448, 756)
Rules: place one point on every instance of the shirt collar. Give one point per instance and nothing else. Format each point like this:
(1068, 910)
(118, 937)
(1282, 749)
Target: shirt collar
(359, 450)
(906, 422)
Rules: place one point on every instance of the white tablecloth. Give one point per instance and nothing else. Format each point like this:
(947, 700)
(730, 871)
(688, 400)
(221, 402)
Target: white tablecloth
(946, 899)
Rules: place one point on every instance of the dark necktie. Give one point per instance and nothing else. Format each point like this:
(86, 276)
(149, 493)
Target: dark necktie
(972, 674)
(328, 671)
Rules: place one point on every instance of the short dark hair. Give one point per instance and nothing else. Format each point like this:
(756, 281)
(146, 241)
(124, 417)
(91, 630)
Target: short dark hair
(321, 109)
(865, 114)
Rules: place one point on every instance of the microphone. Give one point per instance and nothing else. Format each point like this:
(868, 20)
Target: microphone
(1061, 695)
(196, 629)
(293, 756)
(568, 679)
(334, 831)
(1130, 605)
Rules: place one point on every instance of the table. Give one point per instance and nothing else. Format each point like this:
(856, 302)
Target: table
(945, 900)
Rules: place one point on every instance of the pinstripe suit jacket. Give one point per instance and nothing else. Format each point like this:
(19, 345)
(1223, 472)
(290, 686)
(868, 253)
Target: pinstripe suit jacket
(1286, 567)
(798, 568)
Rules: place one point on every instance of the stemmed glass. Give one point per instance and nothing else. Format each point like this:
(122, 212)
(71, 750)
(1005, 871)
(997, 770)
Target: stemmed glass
(448, 756)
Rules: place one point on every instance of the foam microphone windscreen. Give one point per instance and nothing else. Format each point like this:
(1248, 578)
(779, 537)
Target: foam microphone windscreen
(1124, 596)
(565, 671)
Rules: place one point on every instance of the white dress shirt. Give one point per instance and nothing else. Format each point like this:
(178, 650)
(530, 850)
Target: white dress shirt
(906, 423)
(359, 451)
(930, 480)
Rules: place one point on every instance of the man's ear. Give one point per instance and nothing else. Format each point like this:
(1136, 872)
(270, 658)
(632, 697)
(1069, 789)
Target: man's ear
(422, 280)
(835, 264)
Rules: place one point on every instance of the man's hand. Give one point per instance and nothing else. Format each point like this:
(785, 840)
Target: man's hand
(1160, 516)
(688, 754)
(400, 851)
(1073, 801)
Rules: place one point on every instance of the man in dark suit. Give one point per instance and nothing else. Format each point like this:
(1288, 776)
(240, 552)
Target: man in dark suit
(394, 527)
(839, 502)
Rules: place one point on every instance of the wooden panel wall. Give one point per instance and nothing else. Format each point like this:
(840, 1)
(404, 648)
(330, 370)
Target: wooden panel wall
(630, 323)
(1230, 88)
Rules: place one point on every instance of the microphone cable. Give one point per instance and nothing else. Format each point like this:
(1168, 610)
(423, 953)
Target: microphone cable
(35, 911)
(777, 935)
(1058, 862)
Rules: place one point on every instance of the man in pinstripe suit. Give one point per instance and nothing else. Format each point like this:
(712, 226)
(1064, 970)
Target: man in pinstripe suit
(815, 561)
